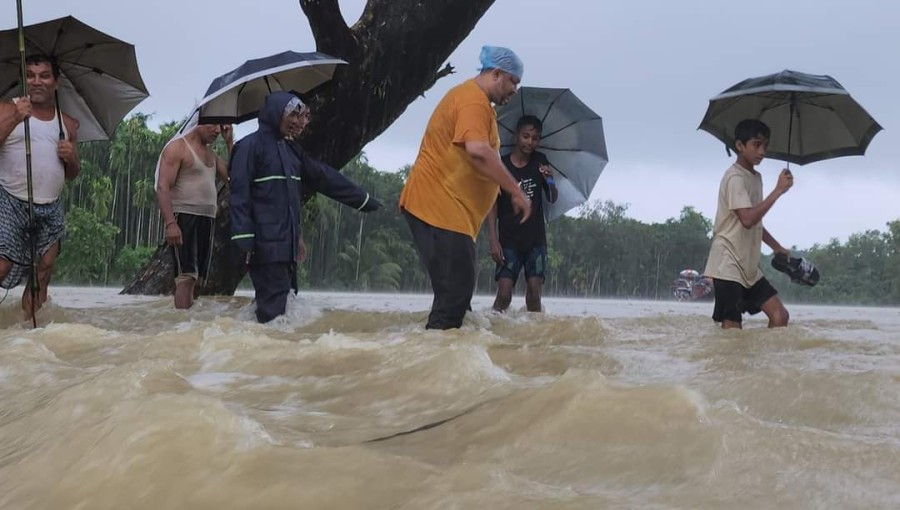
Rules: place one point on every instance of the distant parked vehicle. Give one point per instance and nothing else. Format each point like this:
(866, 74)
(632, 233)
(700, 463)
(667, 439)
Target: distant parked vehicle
(692, 286)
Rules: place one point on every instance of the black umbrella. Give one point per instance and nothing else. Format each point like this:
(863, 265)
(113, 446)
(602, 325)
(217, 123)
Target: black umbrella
(99, 84)
(572, 140)
(99, 79)
(238, 95)
(812, 117)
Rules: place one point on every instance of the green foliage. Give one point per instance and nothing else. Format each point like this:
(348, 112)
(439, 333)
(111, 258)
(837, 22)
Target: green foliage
(864, 270)
(603, 252)
(128, 262)
(89, 243)
(114, 226)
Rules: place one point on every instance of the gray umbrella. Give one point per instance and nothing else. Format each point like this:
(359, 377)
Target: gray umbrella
(99, 78)
(572, 139)
(812, 117)
(239, 94)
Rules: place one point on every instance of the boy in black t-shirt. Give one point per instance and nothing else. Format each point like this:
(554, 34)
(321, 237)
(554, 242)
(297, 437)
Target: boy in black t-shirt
(522, 244)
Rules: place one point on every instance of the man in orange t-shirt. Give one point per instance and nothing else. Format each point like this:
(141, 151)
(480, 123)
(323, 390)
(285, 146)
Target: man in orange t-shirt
(455, 180)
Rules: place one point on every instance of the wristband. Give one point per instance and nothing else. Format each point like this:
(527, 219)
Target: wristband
(171, 223)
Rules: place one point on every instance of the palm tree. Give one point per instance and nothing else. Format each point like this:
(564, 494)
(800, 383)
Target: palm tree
(144, 195)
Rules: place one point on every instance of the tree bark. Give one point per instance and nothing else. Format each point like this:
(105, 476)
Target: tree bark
(395, 52)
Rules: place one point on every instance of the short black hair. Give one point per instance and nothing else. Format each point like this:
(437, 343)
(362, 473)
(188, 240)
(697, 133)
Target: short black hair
(529, 120)
(40, 58)
(748, 129)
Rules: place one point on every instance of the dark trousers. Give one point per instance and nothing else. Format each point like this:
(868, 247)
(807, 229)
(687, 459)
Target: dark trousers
(272, 282)
(449, 258)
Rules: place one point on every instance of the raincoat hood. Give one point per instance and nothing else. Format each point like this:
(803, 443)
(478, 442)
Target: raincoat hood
(270, 114)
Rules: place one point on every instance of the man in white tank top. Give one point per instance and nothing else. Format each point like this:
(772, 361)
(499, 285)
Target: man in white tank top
(186, 193)
(54, 161)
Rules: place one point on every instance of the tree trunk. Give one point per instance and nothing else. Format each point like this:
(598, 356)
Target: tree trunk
(395, 52)
(151, 219)
(362, 220)
(115, 200)
(128, 186)
(336, 243)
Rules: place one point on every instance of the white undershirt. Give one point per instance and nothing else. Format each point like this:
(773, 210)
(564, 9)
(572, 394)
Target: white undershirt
(47, 170)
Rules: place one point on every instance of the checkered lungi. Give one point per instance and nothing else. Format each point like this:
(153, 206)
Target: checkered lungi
(15, 239)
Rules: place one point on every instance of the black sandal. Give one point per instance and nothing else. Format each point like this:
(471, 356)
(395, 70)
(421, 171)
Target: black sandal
(800, 270)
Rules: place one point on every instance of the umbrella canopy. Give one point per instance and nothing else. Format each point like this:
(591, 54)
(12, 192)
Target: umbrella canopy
(689, 273)
(99, 79)
(812, 117)
(239, 94)
(572, 139)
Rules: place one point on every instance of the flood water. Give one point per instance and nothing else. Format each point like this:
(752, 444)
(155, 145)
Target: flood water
(123, 402)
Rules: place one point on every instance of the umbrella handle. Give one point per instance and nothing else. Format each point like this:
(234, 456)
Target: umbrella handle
(62, 135)
(34, 286)
(791, 126)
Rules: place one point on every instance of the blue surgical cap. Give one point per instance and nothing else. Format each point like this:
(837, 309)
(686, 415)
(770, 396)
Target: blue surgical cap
(504, 59)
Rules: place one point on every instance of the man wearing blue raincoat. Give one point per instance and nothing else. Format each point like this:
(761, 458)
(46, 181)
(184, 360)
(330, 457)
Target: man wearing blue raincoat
(267, 175)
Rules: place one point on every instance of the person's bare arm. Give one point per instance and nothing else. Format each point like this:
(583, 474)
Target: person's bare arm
(487, 161)
(301, 250)
(222, 165)
(169, 165)
(492, 221)
(221, 169)
(67, 149)
(750, 216)
(11, 115)
(495, 250)
(228, 136)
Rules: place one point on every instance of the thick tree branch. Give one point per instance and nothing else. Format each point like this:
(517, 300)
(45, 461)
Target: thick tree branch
(373, 12)
(446, 71)
(329, 29)
(401, 44)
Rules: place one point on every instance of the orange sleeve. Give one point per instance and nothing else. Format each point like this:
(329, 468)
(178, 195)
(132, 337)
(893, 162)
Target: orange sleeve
(473, 124)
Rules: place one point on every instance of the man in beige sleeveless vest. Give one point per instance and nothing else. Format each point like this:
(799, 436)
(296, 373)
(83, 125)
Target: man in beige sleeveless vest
(54, 161)
(186, 193)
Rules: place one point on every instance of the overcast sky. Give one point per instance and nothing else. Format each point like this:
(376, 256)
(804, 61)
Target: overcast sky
(648, 67)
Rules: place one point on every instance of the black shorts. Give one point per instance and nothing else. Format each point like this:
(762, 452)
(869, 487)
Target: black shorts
(733, 299)
(194, 256)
